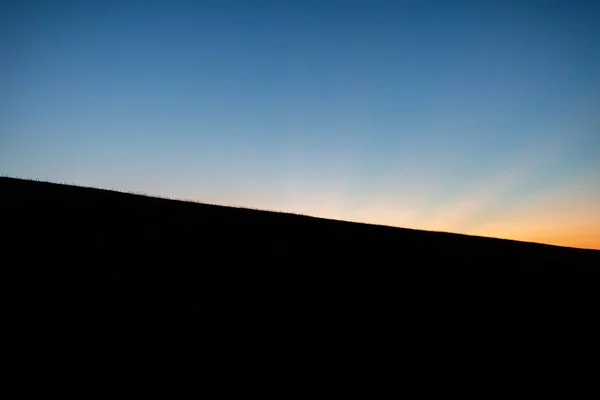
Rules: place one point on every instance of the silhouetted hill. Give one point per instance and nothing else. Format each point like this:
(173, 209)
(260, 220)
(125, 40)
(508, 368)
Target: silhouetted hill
(145, 252)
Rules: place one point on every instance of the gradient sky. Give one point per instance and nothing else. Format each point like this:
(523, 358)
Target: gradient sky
(479, 117)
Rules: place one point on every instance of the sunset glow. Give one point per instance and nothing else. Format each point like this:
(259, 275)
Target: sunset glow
(481, 119)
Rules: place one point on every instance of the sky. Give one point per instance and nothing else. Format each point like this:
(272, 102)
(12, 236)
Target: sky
(476, 117)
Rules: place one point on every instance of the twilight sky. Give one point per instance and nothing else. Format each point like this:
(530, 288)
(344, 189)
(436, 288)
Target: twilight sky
(478, 117)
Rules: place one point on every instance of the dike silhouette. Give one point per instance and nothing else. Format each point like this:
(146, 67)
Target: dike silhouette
(78, 247)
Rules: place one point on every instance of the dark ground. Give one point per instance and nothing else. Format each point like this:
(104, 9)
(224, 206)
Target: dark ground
(89, 248)
(112, 283)
(108, 286)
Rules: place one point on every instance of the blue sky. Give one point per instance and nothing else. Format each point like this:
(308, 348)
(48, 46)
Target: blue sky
(442, 115)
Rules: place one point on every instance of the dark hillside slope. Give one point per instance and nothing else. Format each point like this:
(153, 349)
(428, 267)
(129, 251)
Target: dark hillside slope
(176, 252)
